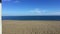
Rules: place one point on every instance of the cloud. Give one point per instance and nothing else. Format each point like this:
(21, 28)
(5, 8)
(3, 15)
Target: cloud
(37, 12)
(54, 13)
(34, 12)
(44, 12)
(16, 1)
(6, 0)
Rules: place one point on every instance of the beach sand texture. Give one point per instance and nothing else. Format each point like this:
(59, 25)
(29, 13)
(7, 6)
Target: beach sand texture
(30, 27)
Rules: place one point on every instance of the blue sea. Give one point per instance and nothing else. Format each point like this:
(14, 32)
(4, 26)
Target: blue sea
(30, 17)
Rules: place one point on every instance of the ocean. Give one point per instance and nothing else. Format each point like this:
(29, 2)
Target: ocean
(30, 17)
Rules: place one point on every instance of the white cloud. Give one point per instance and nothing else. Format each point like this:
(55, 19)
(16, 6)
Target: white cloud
(16, 1)
(7, 0)
(44, 12)
(54, 13)
(35, 12)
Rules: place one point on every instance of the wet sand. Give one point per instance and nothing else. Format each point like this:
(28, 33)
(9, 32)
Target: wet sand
(30, 27)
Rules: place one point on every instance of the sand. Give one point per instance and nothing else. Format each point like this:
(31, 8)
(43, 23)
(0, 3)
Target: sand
(30, 27)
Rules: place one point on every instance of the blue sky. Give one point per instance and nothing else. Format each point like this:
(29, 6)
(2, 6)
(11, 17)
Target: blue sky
(30, 7)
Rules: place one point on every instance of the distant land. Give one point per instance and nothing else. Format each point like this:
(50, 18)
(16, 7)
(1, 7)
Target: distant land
(30, 17)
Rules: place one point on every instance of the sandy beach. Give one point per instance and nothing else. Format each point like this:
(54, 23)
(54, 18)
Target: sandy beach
(30, 27)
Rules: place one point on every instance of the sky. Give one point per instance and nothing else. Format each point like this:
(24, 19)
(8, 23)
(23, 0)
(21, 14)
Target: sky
(30, 7)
